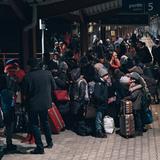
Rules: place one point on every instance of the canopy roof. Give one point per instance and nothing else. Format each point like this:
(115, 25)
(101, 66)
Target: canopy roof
(90, 10)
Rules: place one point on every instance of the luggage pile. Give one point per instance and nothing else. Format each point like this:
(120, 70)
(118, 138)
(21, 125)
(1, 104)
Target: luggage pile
(127, 126)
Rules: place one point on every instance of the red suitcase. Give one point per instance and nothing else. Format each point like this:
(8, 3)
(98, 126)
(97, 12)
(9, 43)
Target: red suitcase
(55, 119)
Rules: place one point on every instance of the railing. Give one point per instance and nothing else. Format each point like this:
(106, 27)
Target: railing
(7, 56)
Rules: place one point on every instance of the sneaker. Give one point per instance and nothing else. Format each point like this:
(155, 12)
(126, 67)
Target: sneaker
(37, 151)
(145, 129)
(50, 145)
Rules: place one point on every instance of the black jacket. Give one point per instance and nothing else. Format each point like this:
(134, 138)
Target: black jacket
(37, 87)
(100, 94)
(144, 55)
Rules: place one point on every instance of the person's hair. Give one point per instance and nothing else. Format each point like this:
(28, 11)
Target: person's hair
(34, 63)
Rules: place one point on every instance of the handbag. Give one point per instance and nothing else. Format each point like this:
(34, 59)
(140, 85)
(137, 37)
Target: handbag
(61, 95)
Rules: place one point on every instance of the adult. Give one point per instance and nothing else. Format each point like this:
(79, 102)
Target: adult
(143, 53)
(156, 52)
(37, 87)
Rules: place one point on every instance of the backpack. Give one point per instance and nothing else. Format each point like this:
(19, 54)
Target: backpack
(145, 100)
(86, 97)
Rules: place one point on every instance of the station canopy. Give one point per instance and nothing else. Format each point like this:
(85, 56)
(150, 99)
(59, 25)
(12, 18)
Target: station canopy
(90, 10)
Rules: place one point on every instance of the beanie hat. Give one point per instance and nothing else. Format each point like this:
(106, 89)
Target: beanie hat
(124, 59)
(135, 76)
(124, 80)
(98, 66)
(102, 72)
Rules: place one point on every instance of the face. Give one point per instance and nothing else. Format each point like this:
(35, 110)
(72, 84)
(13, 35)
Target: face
(139, 45)
(107, 78)
(101, 60)
(114, 54)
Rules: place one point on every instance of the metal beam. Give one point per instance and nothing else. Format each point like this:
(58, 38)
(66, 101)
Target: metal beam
(22, 10)
(66, 6)
(123, 19)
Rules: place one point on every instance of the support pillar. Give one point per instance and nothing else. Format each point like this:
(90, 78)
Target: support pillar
(84, 37)
(103, 33)
(26, 50)
(34, 41)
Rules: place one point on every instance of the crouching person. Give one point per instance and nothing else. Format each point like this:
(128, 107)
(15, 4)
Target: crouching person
(78, 102)
(100, 96)
(136, 93)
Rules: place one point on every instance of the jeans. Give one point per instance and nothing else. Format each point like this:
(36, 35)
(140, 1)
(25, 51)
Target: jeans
(138, 121)
(9, 120)
(101, 110)
(34, 118)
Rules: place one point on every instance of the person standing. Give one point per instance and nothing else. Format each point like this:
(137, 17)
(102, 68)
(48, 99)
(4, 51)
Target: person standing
(37, 87)
(8, 90)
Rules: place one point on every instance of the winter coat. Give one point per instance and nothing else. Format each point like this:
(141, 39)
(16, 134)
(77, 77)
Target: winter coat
(136, 98)
(144, 55)
(155, 52)
(37, 87)
(77, 91)
(61, 81)
(100, 94)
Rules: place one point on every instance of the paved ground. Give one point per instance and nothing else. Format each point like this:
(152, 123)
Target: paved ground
(69, 146)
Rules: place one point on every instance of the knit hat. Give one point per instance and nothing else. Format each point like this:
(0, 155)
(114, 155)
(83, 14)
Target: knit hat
(102, 72)
(124, 60)
(135, 76)
(124, 80)
(98, 66)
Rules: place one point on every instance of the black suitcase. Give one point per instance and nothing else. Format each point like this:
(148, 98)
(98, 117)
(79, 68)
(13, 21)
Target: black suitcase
(126, 107)
(127, 127)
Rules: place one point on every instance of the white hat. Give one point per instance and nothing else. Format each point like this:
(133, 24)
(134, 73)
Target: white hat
(124, 80)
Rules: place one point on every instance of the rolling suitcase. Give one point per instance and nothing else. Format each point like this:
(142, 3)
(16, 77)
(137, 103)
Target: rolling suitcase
(127, 127)
(55, 119)
(126, 107)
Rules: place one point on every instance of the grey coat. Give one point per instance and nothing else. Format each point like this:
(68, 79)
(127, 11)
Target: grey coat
(136, 98)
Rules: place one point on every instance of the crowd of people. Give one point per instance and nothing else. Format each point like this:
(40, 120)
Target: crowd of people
(108, 73)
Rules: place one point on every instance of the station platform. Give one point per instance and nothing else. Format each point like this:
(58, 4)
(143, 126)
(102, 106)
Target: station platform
(70, 146)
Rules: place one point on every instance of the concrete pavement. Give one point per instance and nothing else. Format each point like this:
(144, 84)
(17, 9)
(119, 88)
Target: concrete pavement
(69, 146)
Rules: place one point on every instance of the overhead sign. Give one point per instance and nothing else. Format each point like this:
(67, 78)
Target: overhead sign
(141, 6)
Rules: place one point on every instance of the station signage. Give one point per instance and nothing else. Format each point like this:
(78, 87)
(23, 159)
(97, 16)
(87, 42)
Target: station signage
(141, 6)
